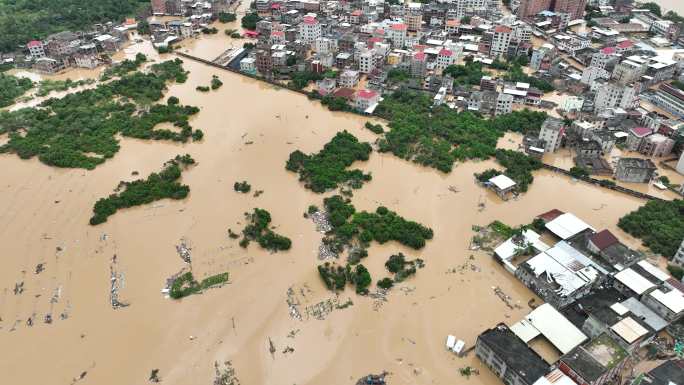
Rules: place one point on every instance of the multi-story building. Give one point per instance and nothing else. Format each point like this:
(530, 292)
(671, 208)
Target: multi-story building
(366, 61)
(500, 40)
(609, 95)
(349, 78)
(366, 99)
(656, 145)
(35, 48)
(309, 29)
(248, 65)
(445, 58)
(504, 104)
(509, 357)
(670, 99)
(575, 8)
(635, 170)
(264, 64)
(397, 35)
(529, 8)
(636, 137)
(413, 16)
(678, 258)
(418, 65)
(552, 131)
(680, 164)
(628, 71)
(323, 45)
(159, 7)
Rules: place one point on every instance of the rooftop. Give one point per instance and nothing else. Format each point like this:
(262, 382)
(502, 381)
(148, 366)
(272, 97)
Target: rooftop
(603, 239)
(547, 321)
(502, 182)
(519, 357)
(636, 163)
(550, 215)
(634, 281)
(629, 330)
(566, 225)
(641, 131)
(596, 357)
(669, 372)
(673, 299)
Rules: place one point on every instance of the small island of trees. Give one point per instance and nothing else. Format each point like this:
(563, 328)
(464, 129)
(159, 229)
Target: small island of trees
(186, 284)
(327, 169)
(12, 87)
(157, 186)
(257, 229)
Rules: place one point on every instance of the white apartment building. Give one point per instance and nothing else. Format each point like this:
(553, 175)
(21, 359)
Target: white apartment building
(552, 132)
(324, 46)
(610, 95)
(397, 35)
(309, 29)
(366, 62)
(501, 40)
(504, 104)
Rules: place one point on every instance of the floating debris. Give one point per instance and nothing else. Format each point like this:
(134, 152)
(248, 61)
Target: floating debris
(18, 288)
(505, 298)
(154, 376)
(373, 379)
(183, 250)
(116, 284)
(40, 268)
(320, 218)
(225, 374)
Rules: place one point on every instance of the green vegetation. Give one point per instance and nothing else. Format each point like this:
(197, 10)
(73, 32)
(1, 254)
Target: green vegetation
(300, 80)
(336, 277)
(676, 271)
(336, 103)
(438, 137)
(375, 128)
(257, 230)
(186, 285)
(579, 172)
(677, 84)
(505, 65)
(673, 16)
(124, 67)
(157, 186)
(653, 7)
(24, 20)
(47, 86)
(210, 31)
(12, 87)
(381, 226)
(385, 283)
(328, 168)
(401, 268)
(79, 130)
(468, 74)
(516, 74)
(519, 167)
(202, 88)
(242, 187)
(659, 224)
(226, 17)
(250, 20)
(144, 27)
(396, 75)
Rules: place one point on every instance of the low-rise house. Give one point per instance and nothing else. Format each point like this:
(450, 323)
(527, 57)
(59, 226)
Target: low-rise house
(248, 66)
(668, 373)
(549, 323)
(367, 99)
(656, 145)
(552, 132)
(48, 65)
(502, 185)
(636, 137)
(635, 170)
(595, 363)
(670, 99)
(349, 78)
(667, 300)
(36, 48)
(509, 357)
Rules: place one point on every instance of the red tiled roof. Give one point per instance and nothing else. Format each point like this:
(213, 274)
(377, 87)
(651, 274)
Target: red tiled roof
(603, 239)
(502, 29)
(445, 52)
(608, 50)
(641, 131)
(399, 27)
(366, 94)
(419, 56)
(346, 93)
(275, 6)
(419, 47)
(33, 43)
(380, 31)
(550, 215)
(625, 44)
(277, 33)
(358, 12)
(310, 20)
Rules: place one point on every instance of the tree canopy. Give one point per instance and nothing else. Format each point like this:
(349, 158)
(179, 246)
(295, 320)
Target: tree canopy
(659, 224)
(12, 87)
(25, 20)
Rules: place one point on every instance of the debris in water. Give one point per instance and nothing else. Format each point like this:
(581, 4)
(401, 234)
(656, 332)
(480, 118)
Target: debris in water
(373, 379)
(225, 374)
(184, 250)
(40, 268)
(154, 375)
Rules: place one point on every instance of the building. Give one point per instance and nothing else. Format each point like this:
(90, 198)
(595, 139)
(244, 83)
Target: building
(509, 357)
(549, 323)
(504, 104)
(502, 185)
(309, 29)
(36, 48)
(552, 132)
(609, 95)
(366, 99)
(159, 7)
(529, 8)
(397, 35)
(575, 8)
(367, 62)
(636, 137)
(445, 58)
(670, 99)
(349, 79)
(678, 258)
(668, 373)
(635, 170)
(656, 145)
(596, 362)
(248, 66)
(501, 39)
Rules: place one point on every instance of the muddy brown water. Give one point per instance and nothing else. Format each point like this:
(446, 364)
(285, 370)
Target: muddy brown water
(45, 214)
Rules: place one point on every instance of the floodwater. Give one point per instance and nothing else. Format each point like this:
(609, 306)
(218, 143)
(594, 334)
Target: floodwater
(45, 214)
(671, 5)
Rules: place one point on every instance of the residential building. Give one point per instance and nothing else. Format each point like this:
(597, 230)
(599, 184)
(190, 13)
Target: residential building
(445, 58)
(309, 29)
(500, 40)
(552, 132)
(366, 62)
(636, 137)
(668, 373)
(349, 79)
(572, 103)
(670, 99)
(628, 71)
(509, 357)
(366, 99)
(575, 8)
(504, 104)
(414, 17)
(680, 164)
(656, 145)
(667, 300)
(159, 7)
(36, 48)
(397, 35)
(678, 258)
(609, 95)
(248, 65)
(418, 65)
(530, 8)
(595, 363)
(635, 170)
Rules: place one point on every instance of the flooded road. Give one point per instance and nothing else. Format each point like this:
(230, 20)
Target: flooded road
(45, 214)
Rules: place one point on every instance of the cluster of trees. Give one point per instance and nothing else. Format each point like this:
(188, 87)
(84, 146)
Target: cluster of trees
(157, 186)
(516, 74)
(124, 67)
(250, 20)
(226, 17)
(257, 230)
(242, 187)
(79, 130)
(579, 172)
(468, 74)
(375, 128)
(439, 137)
(12, 87)
(210, 31)
(381, 226)
(46, 86)
(336, 103)
(505, 65)
(186, 284)
(24, 20)
(401, 268)
(519, 167)
(328, 168)
(301, 79)
(216, 83)
(335, 277)
(397, 75)
(659, 224)
(202, 88)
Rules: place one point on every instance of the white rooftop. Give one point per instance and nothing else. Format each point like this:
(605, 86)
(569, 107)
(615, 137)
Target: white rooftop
(673, 299)
(506, 251)
(629, 330)
(654, 271)
(567, 225)
(547, 321)
(502, 182)
(634, 281)
(556, 377)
